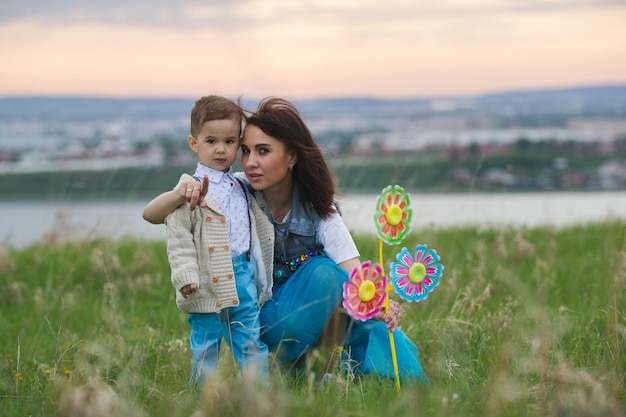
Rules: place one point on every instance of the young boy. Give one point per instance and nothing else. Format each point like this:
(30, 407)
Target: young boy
(221, 255)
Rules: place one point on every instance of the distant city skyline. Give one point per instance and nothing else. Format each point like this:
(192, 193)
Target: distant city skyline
(308, 49)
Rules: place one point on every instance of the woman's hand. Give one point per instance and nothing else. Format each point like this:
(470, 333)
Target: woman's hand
(393, 318)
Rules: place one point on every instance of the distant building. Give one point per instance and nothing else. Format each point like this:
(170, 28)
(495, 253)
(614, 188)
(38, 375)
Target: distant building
(498, 176)
(612, 174)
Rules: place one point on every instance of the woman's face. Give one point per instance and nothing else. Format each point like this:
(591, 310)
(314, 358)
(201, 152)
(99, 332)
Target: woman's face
(265, 159)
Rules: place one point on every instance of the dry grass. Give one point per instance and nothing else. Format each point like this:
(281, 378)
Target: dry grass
(524, 323)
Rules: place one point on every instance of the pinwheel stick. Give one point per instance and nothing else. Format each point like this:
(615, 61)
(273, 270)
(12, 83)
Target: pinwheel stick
(392, 343)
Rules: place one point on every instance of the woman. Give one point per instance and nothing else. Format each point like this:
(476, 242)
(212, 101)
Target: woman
(314, 251)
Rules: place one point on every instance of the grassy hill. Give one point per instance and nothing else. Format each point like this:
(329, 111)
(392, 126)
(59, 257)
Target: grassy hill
(525, 322)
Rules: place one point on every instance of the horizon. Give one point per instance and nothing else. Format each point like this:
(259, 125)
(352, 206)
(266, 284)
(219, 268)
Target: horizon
(582, 87)
(308, 50)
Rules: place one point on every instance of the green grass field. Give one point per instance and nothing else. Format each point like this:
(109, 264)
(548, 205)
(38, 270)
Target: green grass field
(525, 322)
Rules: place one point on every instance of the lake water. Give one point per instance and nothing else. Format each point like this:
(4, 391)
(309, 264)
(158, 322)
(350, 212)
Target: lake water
(24, 223)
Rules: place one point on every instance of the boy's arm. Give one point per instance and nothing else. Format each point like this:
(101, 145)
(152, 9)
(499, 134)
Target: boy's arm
(182, 252)
(157, 210)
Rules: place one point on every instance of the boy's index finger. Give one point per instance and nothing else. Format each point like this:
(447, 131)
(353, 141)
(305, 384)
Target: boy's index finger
(204, 190)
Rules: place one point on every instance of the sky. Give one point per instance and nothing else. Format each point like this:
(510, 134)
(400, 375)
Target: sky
(308, 48)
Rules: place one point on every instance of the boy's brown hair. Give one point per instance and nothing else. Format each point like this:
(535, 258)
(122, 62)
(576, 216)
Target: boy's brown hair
(213, 107)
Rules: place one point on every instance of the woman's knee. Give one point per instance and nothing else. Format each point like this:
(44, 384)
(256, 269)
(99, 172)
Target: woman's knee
(326, 274)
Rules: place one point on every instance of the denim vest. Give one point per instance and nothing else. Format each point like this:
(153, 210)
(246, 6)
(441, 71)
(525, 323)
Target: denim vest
(300, 240)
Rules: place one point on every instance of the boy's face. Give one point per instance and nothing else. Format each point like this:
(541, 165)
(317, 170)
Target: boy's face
(217, 144)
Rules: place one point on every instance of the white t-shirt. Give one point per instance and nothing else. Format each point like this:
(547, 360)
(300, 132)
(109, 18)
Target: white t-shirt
(332, 233)
(336, 238)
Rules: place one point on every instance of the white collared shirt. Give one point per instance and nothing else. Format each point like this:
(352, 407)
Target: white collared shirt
(227, 193)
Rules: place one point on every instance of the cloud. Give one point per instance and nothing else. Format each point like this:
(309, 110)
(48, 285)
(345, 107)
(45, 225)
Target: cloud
(163, 13)
(309, 47)
(229, 14)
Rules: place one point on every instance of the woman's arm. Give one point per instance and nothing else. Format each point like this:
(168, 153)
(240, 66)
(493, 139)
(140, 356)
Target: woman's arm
(157, 210)
(350, 264)
(391, 318)
(338, 242)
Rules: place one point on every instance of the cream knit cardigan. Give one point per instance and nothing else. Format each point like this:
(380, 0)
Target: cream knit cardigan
(199, 253)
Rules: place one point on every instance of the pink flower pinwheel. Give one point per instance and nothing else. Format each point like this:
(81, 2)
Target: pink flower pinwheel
(414, 277)
(393, 214)
(365, 292)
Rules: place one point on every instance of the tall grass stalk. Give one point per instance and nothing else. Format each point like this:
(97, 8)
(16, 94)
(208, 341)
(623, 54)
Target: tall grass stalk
(525, 322)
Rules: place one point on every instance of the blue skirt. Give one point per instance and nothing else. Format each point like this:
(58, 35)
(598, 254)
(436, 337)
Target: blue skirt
(294, 318)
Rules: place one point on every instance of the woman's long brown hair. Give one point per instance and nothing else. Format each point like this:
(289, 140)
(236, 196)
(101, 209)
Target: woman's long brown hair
(280, 119)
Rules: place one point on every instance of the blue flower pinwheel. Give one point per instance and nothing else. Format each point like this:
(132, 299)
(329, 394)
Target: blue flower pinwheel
(413, 277)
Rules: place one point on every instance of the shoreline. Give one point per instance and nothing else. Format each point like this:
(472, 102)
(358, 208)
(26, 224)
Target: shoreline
(28, 221)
